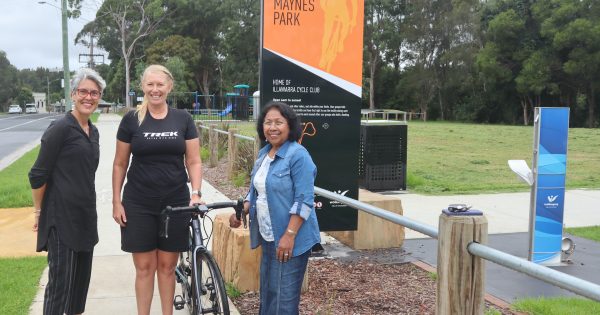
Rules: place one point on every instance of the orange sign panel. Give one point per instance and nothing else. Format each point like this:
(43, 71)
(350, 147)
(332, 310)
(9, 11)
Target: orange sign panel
(325, 34)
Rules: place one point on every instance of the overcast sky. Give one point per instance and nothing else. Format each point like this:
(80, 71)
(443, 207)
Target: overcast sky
(31, 33)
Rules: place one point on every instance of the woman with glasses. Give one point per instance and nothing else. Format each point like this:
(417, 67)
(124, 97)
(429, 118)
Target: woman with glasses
(64, 197)
(163, 143)
(280, 203)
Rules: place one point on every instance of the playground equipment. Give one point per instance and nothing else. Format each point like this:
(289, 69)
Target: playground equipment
(237, 102)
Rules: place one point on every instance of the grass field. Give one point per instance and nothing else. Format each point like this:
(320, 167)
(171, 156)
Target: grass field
(453, 158)
(589, 232)
(19, 283)
(557, 306)
(14, 183)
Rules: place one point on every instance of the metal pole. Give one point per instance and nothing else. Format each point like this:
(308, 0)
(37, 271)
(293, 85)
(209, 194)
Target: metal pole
(48, 97)
(557, 278)
(65, 42)
(393, 217)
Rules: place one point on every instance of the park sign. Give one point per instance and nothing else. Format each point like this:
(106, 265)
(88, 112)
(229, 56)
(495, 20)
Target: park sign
(311, 59)
(551, 132)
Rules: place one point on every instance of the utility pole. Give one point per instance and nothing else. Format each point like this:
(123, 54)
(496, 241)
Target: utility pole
(91, 62)
(90, 59)
(65, 42)
(48, 98)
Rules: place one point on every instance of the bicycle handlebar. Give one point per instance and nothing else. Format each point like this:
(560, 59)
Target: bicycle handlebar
(201, 210)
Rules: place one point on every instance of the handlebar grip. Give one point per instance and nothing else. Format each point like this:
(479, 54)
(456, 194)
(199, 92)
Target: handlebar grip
(239, 208)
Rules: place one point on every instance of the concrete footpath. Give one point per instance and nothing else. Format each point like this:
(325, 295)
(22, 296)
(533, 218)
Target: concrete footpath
(112, 284)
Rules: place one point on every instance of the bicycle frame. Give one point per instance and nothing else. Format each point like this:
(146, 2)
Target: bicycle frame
(197, 247)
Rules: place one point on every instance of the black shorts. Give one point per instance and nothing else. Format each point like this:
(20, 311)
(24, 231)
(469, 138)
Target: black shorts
(141, 233)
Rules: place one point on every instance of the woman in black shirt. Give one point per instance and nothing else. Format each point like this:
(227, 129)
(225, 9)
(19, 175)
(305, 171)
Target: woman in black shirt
(64, 196)
(163, 143)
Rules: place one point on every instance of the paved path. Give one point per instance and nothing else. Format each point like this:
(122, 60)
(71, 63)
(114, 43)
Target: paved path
(506, 212)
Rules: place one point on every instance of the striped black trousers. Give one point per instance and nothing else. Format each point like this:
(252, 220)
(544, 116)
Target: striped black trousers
(68, 278)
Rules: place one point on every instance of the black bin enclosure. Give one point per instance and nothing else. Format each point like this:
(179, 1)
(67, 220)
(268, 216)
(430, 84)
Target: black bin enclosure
(382, 159)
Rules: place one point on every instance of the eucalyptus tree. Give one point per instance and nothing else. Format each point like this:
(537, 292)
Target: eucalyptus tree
(422, 40)
(198, 20)
(383, 39)
(573, 28)
(238, 49)
(176, 47)
(442, 37)
(129, 22)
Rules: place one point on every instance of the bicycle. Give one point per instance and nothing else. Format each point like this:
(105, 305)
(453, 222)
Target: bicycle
(202, 285)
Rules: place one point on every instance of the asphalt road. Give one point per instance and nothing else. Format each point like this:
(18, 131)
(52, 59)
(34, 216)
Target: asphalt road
(19, 132)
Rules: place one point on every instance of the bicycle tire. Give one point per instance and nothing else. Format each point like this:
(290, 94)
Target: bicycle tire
(213, 299)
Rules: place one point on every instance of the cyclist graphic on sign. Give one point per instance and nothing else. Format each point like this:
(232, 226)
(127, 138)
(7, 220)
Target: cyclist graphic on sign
(339, 19)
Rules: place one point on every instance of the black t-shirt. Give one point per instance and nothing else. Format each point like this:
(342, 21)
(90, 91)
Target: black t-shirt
(158, 148)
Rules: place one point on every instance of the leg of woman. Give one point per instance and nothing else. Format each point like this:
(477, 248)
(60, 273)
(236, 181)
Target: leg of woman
(82, 271)
(58, 276)
(268, 251)
(145, 268)
(282, 282)
(166, 279)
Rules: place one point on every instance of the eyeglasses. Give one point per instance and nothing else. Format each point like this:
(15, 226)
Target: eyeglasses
(276, 123)
(85, 92)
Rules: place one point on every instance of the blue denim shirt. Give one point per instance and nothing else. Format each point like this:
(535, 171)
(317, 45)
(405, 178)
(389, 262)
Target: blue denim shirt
(290, 187)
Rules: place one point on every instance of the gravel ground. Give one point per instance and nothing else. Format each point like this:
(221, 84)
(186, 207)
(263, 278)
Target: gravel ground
(366, 282)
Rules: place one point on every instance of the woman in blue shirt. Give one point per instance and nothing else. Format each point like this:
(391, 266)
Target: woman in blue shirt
(281, 207)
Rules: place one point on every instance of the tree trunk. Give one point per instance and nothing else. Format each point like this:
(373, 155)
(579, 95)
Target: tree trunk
(205, 86)
(525, 112)
(591, 106)
(127, 65)
(441, 102)
(372, 70)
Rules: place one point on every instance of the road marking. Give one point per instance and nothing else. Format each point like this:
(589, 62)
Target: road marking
(11, 117)
(25, 123)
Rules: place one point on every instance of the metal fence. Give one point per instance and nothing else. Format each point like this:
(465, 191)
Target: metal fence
(557, 278)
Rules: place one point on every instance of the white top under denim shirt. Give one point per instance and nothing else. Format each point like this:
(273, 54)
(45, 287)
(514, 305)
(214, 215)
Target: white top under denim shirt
(262, 207)
(290, 191)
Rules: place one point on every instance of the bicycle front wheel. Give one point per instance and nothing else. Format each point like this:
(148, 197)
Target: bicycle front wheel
(210, 297)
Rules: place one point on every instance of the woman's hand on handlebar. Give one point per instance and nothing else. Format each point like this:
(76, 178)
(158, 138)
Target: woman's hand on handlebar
(233, 221)
(119, 214)
(195, 199)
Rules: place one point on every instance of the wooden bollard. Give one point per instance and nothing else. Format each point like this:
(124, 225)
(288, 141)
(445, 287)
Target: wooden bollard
(231, 153)
(213, 146)
(461, 276)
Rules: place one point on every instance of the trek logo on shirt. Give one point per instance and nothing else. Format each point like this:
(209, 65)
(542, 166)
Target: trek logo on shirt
(165, 135)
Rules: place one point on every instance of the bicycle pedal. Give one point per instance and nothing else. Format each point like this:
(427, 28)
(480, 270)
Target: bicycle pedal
(178, 302)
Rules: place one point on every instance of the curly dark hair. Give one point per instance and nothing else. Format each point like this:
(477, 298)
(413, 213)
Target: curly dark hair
(288, 113)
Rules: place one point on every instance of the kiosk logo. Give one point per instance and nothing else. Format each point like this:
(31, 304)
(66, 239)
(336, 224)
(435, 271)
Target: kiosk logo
(552, 198)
